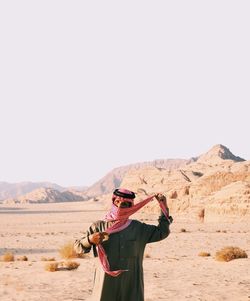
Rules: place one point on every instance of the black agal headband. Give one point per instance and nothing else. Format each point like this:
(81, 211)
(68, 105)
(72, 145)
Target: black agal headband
(127, 195)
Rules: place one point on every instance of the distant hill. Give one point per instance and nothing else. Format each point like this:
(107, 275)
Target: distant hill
(12, 190)
(45, 195)
(114, 178)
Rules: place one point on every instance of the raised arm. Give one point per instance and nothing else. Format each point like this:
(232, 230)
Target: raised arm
(154, 233)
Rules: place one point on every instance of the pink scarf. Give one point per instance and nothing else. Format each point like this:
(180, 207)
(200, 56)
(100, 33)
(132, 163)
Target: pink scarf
(120, 218)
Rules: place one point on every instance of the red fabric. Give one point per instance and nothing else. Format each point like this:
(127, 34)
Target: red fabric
(120, 218)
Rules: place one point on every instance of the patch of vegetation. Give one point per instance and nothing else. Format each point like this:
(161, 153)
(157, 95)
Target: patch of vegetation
(8, 257)
(61, 266)
(70, 265)
(67, 251)
(230, 253)
(51, 267)
(22, 258)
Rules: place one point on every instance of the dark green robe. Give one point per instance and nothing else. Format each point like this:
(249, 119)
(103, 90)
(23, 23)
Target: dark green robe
(124, 250)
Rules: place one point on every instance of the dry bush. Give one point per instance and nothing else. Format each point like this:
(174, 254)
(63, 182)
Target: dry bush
(67, 251)
(147, 255)
(22, 258)
(204, 254)
(230, 253)
(51, 267)
(7, 257)
(61, 266)
(183, 230)
(47, 259)
(70, 265)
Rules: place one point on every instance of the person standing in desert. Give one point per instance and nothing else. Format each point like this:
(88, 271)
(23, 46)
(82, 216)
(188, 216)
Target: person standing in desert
(119, 243)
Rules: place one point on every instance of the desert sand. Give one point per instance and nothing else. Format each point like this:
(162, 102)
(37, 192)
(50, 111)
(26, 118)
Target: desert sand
(172, 268)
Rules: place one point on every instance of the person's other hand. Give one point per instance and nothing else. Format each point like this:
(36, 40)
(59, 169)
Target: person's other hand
(98, 237)
(161, 198)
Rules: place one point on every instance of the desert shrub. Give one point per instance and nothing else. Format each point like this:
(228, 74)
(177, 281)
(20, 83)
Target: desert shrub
(230, 253)
(51, 267)
(70, 265)
(67, 251)
(204, 254)
(147, 255)
(183, 230)
(47, 259)
(7, 257)
(22, 258)
(61, 266)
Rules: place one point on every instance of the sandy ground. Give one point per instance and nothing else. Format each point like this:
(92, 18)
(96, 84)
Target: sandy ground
(172, 268)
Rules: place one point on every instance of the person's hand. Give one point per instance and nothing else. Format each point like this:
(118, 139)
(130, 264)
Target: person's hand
(161, 198)
(98, 237)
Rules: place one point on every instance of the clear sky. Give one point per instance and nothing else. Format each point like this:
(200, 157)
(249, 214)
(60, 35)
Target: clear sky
(87, 86)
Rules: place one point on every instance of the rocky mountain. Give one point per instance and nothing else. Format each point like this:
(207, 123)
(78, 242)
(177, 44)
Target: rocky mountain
(45, 195)
(13, 190)
(218, 153)
(214, 186)
(114, 178)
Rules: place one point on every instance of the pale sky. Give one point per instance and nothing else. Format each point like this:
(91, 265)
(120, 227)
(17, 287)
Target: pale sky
(87, 86)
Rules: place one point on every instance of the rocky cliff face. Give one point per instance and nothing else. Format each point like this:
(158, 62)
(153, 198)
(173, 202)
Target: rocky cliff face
(230, 203)
(45, 195)
(204, 189)
(114, 178)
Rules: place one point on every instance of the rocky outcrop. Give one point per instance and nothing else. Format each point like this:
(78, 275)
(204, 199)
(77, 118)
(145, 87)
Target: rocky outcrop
(114, 178)
(199, 188)
(231, 203)
(45, 195)
(13, 190)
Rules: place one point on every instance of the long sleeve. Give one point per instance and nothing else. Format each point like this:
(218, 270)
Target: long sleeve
(82, 245)
(154, 233)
